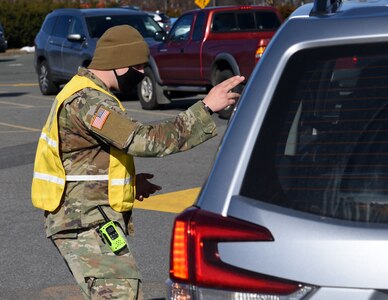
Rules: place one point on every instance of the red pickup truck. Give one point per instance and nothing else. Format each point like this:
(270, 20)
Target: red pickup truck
(205, 47)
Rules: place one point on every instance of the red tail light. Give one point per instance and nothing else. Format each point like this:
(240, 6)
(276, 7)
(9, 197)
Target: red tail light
(261, 46)
(195, 259)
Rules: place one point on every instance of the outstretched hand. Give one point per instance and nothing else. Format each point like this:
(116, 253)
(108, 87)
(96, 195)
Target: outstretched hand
(221, 95)
(144, 188)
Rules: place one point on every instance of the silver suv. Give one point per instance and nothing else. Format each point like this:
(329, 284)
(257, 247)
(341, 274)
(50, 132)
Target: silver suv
(68, 37)
(296, 204)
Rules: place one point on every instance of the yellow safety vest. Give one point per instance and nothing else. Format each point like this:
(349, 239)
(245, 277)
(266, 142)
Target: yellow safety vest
(48, 183)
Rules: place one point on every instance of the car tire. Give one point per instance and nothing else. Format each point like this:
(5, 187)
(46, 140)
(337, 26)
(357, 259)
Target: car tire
(146, 91)
(220, 77)
(46, 85)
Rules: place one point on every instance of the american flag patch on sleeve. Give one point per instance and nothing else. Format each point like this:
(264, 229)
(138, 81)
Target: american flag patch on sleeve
(100, 118)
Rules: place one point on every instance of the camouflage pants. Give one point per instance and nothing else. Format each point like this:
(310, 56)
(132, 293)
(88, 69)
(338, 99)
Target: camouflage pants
(99, 272)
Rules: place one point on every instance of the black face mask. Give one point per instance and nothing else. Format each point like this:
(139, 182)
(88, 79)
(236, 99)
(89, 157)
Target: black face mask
(129, 80)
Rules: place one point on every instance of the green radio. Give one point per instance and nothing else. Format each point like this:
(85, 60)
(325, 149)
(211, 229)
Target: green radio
(110, 235)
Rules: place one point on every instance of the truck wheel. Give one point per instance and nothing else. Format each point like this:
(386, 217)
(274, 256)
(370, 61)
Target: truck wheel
(146, 91)
(46, 84)
(221, 76)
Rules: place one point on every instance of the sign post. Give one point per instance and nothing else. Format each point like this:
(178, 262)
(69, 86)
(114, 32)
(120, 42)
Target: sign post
(202, 3)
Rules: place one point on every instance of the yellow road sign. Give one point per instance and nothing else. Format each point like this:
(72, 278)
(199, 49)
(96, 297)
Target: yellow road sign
(202, 3)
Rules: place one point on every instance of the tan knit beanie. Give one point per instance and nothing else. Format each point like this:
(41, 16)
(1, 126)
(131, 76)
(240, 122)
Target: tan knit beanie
(119, 47)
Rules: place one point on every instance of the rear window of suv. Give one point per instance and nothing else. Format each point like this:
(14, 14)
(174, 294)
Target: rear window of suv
(323, 146)
(97, 25)
(245, 21)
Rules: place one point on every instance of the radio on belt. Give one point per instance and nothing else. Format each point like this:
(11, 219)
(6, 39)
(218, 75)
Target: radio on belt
(109, 234)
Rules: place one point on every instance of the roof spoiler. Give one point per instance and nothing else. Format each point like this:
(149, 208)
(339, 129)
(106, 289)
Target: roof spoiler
(324, 7)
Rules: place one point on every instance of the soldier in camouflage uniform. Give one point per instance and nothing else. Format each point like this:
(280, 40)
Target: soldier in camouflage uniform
(84, 147)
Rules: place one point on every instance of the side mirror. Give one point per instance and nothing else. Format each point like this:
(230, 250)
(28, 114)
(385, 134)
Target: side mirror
(160, 36)
(75, 37)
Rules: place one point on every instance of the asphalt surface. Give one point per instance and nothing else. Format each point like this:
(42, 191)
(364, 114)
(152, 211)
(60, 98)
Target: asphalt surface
(30, 267)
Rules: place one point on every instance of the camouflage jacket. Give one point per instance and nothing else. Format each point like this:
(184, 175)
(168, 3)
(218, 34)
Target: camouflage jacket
(85, 150)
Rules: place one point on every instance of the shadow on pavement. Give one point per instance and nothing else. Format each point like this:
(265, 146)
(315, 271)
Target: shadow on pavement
(8, 95)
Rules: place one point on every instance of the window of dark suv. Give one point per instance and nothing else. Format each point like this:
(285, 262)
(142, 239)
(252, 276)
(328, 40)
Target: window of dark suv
(48, 25)
(62, 26)
(323, 145)
(76, 27)
(97, 25)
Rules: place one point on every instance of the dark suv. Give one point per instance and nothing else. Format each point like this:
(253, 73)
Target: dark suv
(296, 204)
(67, 40)
(3, 41)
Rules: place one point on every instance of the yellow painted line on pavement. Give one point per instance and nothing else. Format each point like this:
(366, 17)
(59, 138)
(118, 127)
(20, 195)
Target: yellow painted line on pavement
(19, 127)
(174, 202)
(18, 84)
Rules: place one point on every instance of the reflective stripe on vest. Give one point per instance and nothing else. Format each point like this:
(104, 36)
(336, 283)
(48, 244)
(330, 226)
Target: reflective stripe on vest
(49, 141)
(98, 178)
(49, 178)
(87, 177)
